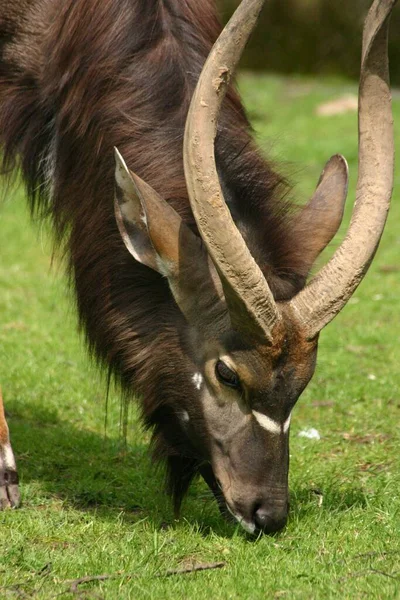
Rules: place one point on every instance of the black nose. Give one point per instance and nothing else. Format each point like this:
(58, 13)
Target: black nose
(270, 519)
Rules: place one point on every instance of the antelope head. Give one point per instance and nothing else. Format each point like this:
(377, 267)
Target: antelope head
(253, 356)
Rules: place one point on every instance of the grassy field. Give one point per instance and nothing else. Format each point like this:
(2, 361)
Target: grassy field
(92, 506)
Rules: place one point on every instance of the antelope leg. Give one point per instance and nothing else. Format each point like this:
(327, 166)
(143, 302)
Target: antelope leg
(9, 490)
(207, 474)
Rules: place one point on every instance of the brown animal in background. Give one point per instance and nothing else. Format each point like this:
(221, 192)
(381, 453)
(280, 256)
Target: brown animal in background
(195, 295)
(9, 492)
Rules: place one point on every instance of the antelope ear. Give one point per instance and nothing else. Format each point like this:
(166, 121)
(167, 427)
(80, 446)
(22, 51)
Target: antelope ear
(153, 232)
(319, 221)
(157, 237)
(131, 216)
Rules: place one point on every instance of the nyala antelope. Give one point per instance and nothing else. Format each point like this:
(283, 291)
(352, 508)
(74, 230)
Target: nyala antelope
(189, 263)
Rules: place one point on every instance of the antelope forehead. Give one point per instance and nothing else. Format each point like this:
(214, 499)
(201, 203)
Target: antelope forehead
(270, 424)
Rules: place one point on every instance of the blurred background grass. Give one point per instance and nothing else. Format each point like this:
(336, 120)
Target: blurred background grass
(313, 36)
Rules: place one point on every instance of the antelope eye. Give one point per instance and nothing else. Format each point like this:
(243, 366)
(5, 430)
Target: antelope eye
(226, 375)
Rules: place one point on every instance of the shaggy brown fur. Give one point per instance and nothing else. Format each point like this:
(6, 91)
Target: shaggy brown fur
(78, 77)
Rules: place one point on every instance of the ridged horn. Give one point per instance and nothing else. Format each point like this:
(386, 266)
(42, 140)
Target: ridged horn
(332, 287)
(249, 299)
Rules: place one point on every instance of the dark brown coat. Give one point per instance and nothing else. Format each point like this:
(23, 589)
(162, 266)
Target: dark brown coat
(78, 77)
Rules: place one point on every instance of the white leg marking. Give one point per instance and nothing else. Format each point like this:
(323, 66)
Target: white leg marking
(9, 459)
(267, 423)
(197, 380)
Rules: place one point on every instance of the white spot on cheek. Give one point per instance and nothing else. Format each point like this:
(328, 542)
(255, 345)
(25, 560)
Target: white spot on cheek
(267, 423)
(197, 380)
(185, 416)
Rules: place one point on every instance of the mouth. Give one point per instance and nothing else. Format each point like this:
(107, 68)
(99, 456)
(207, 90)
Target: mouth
(248, 526)
(269, 517)
(265, 521)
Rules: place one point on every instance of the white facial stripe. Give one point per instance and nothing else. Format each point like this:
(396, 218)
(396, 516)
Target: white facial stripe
(286, 424)
(197, 380)
(271, 425)
(267, 423)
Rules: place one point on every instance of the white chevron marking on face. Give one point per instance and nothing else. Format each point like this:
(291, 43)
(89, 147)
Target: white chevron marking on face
(271, 425)
(267, 423)
(286, 424)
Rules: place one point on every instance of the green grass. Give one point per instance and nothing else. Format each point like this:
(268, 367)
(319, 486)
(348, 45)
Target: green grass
(90, 506)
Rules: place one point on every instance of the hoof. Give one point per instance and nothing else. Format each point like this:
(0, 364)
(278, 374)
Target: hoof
(9, 490)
